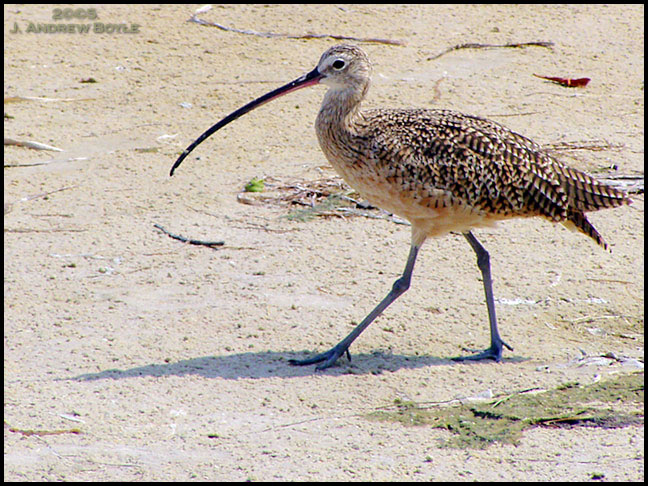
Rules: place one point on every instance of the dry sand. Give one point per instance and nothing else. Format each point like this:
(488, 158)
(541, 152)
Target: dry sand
(172, 359)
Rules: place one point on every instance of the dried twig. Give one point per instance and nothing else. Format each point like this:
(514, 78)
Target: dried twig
(472, 45)
(591, 145)
(31, 145)
(18, 99)
(367, 214)
(9, 206)
(40, 433)
(39, 230)
(194, 18)
(45, 194)
(437, 91)
(210, 244)
(628, 183)
(33, 164)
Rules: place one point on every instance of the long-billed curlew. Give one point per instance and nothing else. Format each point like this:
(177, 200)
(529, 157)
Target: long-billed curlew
(441, 170)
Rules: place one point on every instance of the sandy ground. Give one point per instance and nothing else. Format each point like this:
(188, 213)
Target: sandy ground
(172, 359)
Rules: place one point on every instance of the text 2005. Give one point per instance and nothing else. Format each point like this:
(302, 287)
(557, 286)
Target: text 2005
(74, 13)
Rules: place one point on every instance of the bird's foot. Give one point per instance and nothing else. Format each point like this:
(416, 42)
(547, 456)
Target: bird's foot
(494, 353)
(327, 358)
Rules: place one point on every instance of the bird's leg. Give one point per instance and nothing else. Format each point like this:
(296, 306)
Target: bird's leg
(483, 262)
(400, 286)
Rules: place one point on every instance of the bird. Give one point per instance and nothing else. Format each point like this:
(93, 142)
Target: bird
(442, 170)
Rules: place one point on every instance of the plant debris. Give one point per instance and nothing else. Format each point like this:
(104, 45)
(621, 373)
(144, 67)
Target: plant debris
(18, 99)
(255, 185)
(40, 433)
(472, 45)
(567, 82)
(325, 197)
(480, 424)
(31, 145)
(210, 244)
(206, 8)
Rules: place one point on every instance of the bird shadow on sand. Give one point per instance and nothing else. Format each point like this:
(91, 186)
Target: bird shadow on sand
(270, 364)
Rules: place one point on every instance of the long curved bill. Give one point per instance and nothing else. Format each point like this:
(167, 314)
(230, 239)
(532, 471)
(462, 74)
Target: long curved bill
(304, 81)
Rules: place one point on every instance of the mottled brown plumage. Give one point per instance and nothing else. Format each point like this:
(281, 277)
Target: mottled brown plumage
(442, 170)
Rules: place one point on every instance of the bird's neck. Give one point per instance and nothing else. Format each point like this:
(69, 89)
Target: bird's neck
(341, 108)
(339, 125)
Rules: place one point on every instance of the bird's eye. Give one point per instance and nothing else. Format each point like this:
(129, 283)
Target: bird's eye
(338, 64)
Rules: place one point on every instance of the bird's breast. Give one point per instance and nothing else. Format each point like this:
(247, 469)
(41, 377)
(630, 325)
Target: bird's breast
(435, 211)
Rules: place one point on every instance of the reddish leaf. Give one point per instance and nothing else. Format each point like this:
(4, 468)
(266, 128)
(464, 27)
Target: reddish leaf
(570, 83)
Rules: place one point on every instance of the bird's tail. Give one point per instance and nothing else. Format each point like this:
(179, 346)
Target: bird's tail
(584, 193)
(577, 221)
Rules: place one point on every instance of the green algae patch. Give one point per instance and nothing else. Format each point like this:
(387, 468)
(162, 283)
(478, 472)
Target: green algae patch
(255, 185)
(614, 403)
